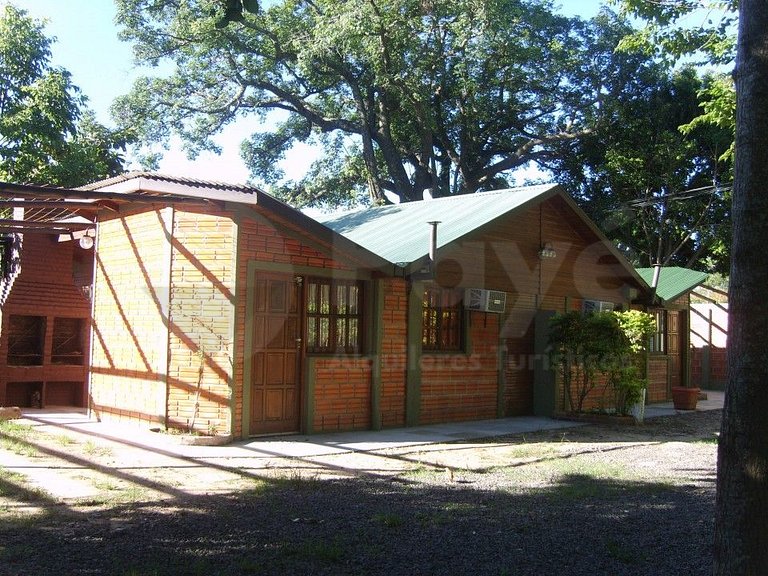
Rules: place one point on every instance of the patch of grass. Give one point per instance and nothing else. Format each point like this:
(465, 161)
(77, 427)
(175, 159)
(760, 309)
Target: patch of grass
(320, 551)
(93, 449)
(298, 480)
(16, 486)
(16, 438)
(390, 520)
(64, 440)
(536, 451)
(106, 485)
(623, 553)
(424, 473)
(712, 440)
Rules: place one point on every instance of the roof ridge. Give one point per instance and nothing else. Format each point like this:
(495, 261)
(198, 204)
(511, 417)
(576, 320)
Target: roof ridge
(496, 192)
(163, 177)
(413, 204)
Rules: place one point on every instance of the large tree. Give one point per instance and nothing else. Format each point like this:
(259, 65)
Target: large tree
(47, 136)
(661, 193)
(741, 518)
(403, 95)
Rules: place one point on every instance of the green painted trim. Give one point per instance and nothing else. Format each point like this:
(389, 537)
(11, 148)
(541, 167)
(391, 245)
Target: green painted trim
(546, 384)
(413, 339)
(377, 337)
(235, 322)
(501, 383)
(301, 270)
(248, 346)
(466, 333)
(308, 399)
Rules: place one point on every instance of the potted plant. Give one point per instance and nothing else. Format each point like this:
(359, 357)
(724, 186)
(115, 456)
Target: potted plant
(685, 398)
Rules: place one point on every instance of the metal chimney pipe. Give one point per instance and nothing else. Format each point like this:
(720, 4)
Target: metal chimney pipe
(433, 243)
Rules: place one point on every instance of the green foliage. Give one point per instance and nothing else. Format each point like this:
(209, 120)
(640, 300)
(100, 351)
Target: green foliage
(705, 33)
(582, 345)
(655, 169)
(45, 135)
(401, 95)
(705, 28)
(637, 327)
(586, 347)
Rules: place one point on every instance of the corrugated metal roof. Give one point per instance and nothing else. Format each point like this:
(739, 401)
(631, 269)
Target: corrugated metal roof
(400, 232)
(150, 183)
(674, 281)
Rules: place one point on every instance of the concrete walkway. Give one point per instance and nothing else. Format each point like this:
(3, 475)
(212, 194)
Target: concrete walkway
(300, 445)
(384, 452)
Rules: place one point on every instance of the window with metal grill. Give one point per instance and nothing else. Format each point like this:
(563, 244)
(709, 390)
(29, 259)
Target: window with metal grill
(442, 316)
(334, 316)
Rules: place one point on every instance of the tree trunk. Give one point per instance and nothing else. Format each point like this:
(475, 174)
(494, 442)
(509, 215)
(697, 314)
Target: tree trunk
(741, 516)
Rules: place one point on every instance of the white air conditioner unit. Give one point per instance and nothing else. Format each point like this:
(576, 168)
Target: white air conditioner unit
(589, 306)
(485, 300)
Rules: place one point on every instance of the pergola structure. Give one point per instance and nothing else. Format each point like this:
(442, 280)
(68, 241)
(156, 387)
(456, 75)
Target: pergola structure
(69, 212)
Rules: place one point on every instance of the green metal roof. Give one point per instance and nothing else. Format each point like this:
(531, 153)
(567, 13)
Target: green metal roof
(673, 281)
(400, 232)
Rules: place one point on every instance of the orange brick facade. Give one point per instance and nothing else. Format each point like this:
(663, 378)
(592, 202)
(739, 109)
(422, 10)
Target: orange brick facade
(173, 322)
(393, 356)
(50, 286)
(458, 387)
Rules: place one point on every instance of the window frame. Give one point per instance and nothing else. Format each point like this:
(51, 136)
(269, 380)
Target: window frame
(658, 341)
(442, 320)
(341, 324)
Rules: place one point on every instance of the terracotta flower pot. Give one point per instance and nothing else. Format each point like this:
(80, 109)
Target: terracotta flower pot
(685, 398)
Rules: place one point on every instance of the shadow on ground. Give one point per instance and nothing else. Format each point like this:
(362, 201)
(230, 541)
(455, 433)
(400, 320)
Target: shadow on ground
(372, 526)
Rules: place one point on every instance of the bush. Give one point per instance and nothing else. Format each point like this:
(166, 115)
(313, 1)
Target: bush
(609, 344)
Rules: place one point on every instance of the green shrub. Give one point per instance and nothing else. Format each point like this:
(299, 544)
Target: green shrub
(586, 347)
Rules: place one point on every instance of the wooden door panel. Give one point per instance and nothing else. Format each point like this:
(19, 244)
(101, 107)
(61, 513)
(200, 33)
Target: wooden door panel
(275, 408)
(275, 383)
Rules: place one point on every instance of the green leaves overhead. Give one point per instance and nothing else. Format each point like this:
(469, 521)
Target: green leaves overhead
(44, 136)
(424, 94)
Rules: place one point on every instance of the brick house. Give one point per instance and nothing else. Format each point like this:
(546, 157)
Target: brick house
(45, 280)
(218, 308)
(670, 355)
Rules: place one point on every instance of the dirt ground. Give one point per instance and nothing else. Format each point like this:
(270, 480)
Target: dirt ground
(576, 500)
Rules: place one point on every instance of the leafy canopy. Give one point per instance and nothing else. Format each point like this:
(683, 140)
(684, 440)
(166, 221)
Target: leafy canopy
(403, 96)
(46, 134)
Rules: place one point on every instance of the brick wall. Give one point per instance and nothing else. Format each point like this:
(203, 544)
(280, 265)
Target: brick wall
(458, 387)
(342, 394)
(658, 389)
(709, 367)
(260, 240)
(393, 356)
(46, 287)
(201, 321)
(129, 361)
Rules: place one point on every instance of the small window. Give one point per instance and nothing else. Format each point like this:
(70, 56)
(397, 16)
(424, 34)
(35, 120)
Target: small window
(658, 343)
(334, 320)
(442, 319)
(67, 347)
(26, 340)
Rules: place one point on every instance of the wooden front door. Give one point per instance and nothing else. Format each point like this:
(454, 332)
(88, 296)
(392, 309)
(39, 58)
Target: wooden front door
(276, 381)
(673, 347)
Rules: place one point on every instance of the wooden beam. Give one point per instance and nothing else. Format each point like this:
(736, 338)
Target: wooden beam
(11, 190)
(58, 204)
(24, 226)
(50, 230)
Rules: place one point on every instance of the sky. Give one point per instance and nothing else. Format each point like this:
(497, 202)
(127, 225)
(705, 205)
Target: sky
(102, 66)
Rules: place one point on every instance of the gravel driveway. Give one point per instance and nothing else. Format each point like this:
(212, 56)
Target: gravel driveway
(588, 500)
